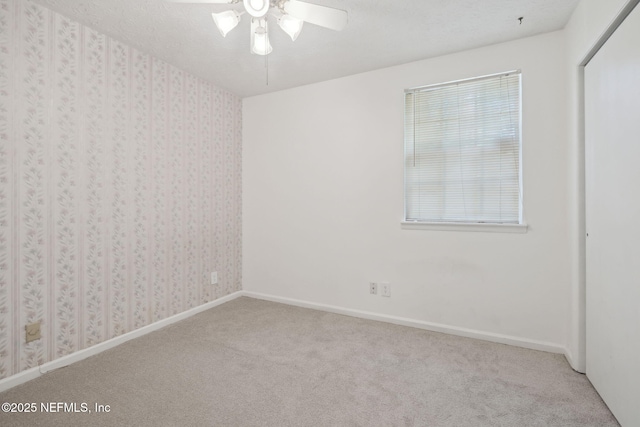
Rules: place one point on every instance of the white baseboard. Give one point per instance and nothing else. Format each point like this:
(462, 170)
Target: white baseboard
(435, 327)
(33, 373)
(30, 374)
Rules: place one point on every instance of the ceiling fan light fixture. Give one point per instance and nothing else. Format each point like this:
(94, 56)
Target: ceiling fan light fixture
(256, 8)
(226, 21)
(291, 25)
(260, 44)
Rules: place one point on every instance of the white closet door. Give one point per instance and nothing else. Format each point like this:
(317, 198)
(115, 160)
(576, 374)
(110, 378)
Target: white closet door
(612, 117)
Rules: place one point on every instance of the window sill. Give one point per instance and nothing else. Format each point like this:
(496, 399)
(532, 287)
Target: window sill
(465, 226)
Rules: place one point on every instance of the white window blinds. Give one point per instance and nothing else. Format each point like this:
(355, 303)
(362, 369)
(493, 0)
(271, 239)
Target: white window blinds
(462, 151)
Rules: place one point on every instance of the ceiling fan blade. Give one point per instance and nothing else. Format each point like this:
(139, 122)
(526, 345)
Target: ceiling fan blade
(202, 1)
(328, 17)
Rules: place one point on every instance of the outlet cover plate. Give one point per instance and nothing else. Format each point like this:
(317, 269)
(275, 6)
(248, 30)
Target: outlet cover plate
(385, 289)
(373, 288)
(214, 277)
(32, 332)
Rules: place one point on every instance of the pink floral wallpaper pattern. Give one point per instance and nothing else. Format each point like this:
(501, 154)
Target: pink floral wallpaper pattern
(120, 187)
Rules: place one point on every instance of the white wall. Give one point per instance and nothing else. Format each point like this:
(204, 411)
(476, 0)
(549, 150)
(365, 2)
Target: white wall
(587, 24)
(322, 201)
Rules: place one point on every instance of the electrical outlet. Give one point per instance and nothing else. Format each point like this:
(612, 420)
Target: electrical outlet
(32, 332)
(373, 288)
(385, 289)
(214, 277)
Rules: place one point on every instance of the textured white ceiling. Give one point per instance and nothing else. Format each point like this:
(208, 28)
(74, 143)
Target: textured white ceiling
(380, 33)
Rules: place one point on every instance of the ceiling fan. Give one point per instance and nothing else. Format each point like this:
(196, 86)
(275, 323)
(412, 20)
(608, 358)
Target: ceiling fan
(290, 15)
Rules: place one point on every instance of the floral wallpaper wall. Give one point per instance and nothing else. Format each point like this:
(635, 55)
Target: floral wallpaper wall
(120, 187)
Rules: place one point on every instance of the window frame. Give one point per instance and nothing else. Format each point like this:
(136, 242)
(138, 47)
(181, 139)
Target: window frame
(520, 227)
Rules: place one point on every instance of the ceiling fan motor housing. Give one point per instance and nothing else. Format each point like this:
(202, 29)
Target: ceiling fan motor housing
(256, 8)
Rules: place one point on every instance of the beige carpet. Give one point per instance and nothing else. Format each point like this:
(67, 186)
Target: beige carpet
(256, 363)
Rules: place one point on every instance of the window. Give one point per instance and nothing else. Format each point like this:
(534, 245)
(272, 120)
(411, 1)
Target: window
(463, 152)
